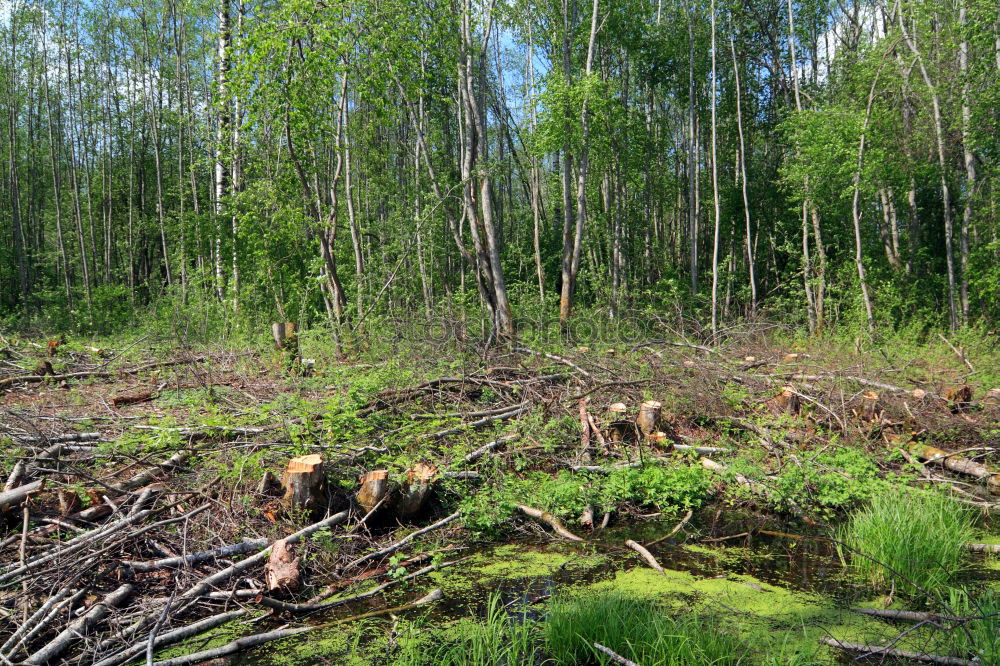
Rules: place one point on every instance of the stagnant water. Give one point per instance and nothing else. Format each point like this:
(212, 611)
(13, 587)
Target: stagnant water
(778, 577)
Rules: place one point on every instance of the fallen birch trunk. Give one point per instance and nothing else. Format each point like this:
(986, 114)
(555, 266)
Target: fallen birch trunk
(958, 465)
(983, 547)
(79, 627)
(248, 546)
(880, 651)
(905, 615)
(12, 498)
(487, 448)
(170, 637)
(247, 642)
(548, 519)
(614, 656)
(646, 555)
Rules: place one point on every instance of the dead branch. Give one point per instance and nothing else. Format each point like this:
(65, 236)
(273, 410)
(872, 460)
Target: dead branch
(614, 656)
(645, 554)
(880, 651)
(78, 628)
(548, 519)
(247, 546)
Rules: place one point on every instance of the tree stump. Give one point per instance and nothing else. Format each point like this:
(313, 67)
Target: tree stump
(869, 407)
(286, 341)
(305, 484)
(648, 419)
(414, 494)
(282, 569)
(661, 441)
(786, 402)
(374, 486)
(959, 397)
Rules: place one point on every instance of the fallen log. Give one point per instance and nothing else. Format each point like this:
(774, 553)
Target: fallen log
(983, 547)
(905, 615)
(145, 477)
(645, 554)
(487, 448)
(548, 519)
(314, 606)
(247, 546)
(79, 627)
(614, 656)
(62, 439)
(168, 638)
(96, 374)
(392, 548)
(247, 642)
(12, 498)
(881, 651)
(516, 410)
(37, 616)
(957, 464)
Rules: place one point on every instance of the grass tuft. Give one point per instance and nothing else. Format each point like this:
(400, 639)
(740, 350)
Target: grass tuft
(643, 631)
(908, 538)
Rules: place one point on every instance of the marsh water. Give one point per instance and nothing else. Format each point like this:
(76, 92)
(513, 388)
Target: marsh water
(791, 590)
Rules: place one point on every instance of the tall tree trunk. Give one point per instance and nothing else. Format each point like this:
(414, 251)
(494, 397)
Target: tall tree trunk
(715, 193)
(970, 163)
(743, 180)
(942, 168)
(222, 137)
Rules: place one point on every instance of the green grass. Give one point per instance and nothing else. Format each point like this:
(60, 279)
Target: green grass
(981, 636)
(640, 630)
(907, 538)
(497, 639)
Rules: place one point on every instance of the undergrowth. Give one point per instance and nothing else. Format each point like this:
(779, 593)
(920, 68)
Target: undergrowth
(908, 539)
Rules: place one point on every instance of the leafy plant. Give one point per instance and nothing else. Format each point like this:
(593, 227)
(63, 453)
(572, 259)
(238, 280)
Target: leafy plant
(910, 538)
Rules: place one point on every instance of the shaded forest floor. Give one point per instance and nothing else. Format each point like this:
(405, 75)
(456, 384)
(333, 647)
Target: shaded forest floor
(123, 461)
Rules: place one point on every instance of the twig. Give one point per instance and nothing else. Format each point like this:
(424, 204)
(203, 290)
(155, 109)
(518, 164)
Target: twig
(677, 528)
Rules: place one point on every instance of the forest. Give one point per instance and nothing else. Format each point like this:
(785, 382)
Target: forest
(816, 162)
(496, 332)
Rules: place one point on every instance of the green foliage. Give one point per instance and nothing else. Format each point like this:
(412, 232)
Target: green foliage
(640, 630)
(979, 638)
(499, 638)
(829, 481)
(909, 539)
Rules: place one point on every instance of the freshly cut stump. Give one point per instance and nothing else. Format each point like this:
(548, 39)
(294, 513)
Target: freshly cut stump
(648, 419)
(415, 493)
(374, 486)
(305, 484)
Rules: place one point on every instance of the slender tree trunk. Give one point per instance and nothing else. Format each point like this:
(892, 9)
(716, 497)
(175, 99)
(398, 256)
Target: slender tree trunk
(970, 163)
(715, 192)
(743, 180)
(942, 168)
(221, 136)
